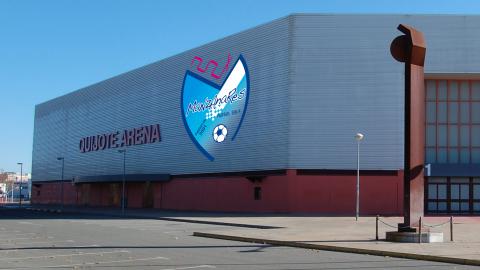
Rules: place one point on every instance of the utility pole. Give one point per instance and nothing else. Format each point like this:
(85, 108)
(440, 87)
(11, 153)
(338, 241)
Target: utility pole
(61, 182)
(124, 151)
(20, 187)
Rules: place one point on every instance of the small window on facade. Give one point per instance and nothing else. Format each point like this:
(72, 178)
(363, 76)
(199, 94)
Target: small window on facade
(257, 193)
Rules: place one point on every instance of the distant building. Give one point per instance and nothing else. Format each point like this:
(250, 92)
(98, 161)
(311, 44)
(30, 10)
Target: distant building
(16, 177)
(3, 177)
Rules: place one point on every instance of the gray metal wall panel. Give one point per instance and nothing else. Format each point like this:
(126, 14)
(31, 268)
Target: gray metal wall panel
(341, 78)
(151, 95)
(345, 81)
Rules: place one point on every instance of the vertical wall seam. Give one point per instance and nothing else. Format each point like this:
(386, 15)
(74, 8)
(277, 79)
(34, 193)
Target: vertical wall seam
(291, 22)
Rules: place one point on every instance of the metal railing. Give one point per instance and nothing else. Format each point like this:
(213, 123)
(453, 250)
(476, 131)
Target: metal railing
(420, 224)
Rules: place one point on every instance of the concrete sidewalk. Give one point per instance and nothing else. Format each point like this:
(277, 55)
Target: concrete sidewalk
(326, 233)
(345, 234)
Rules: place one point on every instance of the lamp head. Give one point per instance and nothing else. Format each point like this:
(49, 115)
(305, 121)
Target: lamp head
(59, 158)
(19, 163)
(122, 151)
(359, 136)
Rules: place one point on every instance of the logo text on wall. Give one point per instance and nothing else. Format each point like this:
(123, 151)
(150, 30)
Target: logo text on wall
(127, 137)
(213, 113)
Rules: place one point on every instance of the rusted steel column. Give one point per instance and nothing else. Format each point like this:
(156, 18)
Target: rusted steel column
(411, 49)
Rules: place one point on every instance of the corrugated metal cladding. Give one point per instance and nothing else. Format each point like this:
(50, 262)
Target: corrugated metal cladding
(345, 81)
(151, 95)
(315, 81)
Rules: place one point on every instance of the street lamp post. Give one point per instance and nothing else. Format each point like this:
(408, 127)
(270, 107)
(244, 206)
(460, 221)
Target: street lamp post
(20, 187)
(124, 151)
(61, 182)
(358, 138)
(11, 191)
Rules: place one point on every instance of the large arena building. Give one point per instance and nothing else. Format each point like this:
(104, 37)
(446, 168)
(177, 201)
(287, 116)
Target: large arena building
(264, 121)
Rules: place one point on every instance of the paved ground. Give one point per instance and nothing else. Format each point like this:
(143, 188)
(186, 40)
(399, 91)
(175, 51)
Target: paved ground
(346, 232)
(330, 231)
(39, 240)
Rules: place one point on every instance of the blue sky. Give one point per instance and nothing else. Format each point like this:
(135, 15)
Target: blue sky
(50, 48)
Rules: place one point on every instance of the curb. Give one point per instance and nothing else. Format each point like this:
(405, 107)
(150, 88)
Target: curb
(342, 249)
(218, 223)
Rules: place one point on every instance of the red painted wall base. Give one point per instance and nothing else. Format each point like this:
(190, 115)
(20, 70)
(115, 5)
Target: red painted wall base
(289, 193)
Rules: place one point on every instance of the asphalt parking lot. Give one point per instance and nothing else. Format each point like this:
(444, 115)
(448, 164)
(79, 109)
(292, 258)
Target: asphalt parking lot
(40, 240)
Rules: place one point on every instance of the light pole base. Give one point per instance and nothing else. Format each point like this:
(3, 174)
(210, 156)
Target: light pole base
(412, 237)
(402, 227)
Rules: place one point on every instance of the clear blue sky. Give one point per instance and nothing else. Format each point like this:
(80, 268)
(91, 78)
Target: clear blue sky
(50, 48)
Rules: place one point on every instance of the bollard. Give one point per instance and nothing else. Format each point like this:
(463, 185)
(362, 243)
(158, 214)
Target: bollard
(451, 228)
(376, 229)
(420, 230)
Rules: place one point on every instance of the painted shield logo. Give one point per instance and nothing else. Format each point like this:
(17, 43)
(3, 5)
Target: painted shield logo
(212, 113)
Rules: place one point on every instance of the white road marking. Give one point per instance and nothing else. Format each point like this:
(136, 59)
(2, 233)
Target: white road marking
(28, 238)
(23, 238)
(103, 262)
(25, 222)
(126, 224)
(118, 222)
(192, 267)
(79, 247)
(152, 229)
(64, 255)
(29, 223)
(45, 242)
(15, 234)
(147, 226)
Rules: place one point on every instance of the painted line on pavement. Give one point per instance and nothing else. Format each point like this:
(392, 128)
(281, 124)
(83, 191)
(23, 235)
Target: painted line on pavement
(23, 238)
(19, 249)
(30, 223)
(191, 267)
(19, 234)
(64, 255)
(44, 242)
(97, 263)
(28, 238)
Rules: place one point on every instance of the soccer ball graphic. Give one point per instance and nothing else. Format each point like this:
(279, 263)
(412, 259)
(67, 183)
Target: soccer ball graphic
(219, 133)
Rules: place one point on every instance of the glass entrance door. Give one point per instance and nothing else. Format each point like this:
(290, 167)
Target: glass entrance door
(476, 195)
(437, 195)
(459, 195)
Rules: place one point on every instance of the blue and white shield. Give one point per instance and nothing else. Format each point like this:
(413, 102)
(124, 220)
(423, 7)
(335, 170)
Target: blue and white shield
(213, 114)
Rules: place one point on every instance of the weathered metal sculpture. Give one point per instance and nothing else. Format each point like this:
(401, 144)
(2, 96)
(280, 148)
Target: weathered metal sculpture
(411, 49)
